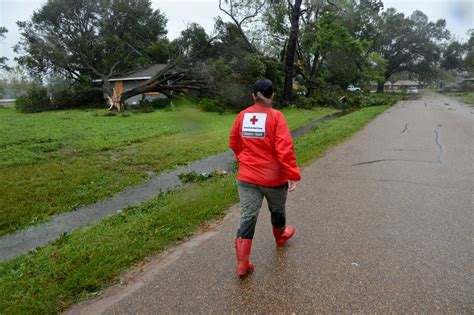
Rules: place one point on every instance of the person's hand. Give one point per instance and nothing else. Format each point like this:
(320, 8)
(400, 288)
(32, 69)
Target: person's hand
(291, 185)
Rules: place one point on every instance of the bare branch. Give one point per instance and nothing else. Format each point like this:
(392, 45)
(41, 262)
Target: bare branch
(113, 68)
(303, 11)
(290, 5)
(333, 4)
(229, 14)
(239, 26)
(255, 13)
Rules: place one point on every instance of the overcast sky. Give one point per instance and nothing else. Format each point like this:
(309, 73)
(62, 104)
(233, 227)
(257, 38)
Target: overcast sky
(459, 15)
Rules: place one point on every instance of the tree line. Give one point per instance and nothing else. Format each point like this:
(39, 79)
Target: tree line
(306, 47)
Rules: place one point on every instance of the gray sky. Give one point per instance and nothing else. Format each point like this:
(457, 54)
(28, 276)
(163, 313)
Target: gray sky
(459, 15)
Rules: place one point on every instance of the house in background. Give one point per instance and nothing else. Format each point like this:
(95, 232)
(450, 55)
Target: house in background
(467, 82)
(123, 83)
(404, 84)
(372, 86)
(387, 86)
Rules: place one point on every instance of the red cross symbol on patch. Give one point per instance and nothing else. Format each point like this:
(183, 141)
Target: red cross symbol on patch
(254, 120)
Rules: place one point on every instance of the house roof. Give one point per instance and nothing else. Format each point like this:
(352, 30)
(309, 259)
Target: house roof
(405, 83)
(376, 83)
(140, 74)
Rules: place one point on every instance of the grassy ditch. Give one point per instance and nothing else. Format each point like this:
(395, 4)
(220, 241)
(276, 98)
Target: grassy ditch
(81, 264)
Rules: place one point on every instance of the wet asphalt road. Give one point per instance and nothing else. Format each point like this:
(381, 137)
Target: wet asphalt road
(384, 224)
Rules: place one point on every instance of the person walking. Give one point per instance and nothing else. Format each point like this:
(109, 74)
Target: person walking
(263, 146)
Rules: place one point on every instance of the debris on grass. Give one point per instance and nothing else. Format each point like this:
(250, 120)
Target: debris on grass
(194, 177)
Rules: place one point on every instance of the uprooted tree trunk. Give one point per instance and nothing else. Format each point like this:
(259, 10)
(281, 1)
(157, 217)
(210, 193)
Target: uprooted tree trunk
(110, 94)
(114, 101)
(170, 79)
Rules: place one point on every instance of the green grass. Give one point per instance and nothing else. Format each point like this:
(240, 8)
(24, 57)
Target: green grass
(54, 162)
(466, 97)
(81, 264)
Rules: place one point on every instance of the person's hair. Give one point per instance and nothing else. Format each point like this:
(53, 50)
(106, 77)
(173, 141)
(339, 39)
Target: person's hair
(260, 98)
(263, 91)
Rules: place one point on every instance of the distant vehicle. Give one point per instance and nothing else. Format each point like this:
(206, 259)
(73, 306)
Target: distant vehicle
(353, 88)
(412, 90)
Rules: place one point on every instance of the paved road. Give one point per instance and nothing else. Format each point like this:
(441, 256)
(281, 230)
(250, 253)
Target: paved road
(384, 224)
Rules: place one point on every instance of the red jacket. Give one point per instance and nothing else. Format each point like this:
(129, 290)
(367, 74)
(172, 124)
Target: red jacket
(262, 143)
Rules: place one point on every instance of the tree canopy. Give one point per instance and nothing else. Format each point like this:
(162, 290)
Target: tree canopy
(81, 39)
(3, 60)
(307, 44)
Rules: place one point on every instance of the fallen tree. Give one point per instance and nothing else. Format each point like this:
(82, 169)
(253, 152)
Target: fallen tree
(172, 78)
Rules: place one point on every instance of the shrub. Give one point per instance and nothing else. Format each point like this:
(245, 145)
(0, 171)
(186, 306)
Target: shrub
(232, 78)
(305, 102)
(160, 103)
(352, 100)
(345, 101)
(144, 107)
(36, 99)
(211, 105)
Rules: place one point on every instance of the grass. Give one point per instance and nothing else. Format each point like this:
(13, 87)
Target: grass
(81, 264)
(466, 97)
(54, 162)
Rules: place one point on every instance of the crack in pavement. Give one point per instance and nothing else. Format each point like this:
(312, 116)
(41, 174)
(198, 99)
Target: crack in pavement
(438, 145)
(394, 181)
(439, 152)
(405, 129)
(394, 160)
(408, 150)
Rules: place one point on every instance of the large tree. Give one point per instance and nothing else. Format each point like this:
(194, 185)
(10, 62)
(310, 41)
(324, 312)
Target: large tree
(361, 18)
(295, 14)
(409, 44)
(453, 56)
(3, 60)
(469, 59)
(343, 59)
(82, 39)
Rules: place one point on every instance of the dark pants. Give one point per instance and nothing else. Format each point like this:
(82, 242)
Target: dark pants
(251, 198)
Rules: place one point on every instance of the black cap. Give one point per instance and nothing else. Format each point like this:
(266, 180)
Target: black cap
(263, 86)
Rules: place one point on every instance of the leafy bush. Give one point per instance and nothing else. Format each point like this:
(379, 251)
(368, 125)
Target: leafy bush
(233, 78)
(345, 101)
(378, 99)
(305, 102)
(36, 99)
(144, 107)
(324, 98)
(211, 105)
(66, 94)
(352, 100)
(160, 103)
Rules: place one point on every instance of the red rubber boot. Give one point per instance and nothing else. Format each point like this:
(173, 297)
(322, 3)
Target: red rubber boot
(283, 234)
(242, 250)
